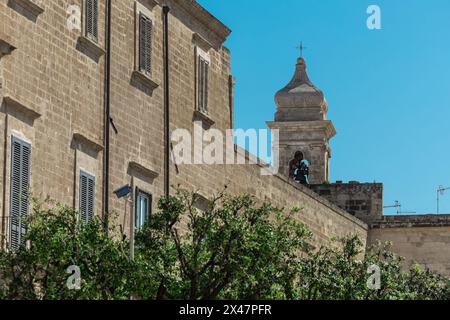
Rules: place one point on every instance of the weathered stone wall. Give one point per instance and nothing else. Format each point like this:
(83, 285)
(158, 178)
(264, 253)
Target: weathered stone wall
(322, 217)
(50, 90)
(421, 239)
(363, 200)
(325, 219)
(52, 95)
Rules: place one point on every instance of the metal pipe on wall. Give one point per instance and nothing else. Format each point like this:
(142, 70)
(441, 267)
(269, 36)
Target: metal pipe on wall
(107, 116)
(166, 10)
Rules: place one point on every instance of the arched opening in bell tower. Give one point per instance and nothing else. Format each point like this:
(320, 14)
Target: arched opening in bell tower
(299, 168)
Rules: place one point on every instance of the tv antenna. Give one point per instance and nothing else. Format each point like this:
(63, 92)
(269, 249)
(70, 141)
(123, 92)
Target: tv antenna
(396, 205)
(440, 192)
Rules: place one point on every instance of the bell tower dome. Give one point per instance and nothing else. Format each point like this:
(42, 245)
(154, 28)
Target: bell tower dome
(302, 124)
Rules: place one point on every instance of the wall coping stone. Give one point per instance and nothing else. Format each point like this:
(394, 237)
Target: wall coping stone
(412, 221)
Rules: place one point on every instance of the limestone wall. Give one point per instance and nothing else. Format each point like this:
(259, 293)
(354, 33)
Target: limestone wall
(421, 239)
(55, 100)
(325, 219)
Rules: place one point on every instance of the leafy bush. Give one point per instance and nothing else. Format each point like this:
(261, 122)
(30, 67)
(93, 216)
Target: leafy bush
(232, 249)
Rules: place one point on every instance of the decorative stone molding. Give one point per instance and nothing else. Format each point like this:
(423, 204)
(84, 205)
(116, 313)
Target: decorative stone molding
(14, 104)
(90, 48)
(204, 118)
(218, 30)
(5, 45)
(198, 40)
(149, 4)
(29, 8)
(80, 139)
(135, 167)
(145, 80)
(326, 127)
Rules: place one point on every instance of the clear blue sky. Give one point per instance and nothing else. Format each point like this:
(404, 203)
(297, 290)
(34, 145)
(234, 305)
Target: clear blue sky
(388, 90)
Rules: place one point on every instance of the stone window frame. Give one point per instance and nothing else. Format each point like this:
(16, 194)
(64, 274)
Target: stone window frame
(89, 176)
(16, 136)
(86, 43)
(204, 55)
(86, 151)
(138, 74)
(84, 22)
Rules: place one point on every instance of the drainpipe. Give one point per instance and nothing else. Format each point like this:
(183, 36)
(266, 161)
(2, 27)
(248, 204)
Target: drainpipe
(166, 10)
(107, 117)
(5, 152)
(132, 215)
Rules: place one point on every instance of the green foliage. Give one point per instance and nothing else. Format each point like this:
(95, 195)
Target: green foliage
(233, 248)
(57, 240)
(339, 274)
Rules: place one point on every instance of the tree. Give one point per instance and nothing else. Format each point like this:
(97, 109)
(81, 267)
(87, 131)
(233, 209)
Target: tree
(231, 248)
(57, 240)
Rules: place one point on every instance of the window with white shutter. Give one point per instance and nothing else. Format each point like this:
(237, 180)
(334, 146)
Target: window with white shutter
(91, 19)
(202, 84)
(19, 191)
(87, 196)
(145, 44)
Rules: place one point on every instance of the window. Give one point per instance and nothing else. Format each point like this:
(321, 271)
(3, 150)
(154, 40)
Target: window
(19, 192)
(91, 19)
(202, 84)
(87, 196)
(143, 208)
(145, 44)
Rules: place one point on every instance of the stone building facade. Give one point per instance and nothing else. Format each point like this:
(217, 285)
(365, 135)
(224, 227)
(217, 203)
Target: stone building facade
(53, 82)
(65, 136)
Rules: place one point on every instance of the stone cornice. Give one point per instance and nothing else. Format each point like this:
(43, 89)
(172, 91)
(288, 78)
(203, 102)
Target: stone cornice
(6, 46)
(148, 3)
(197, 39)
(321, 125)
(30, 8)
(81, 139)
(14, 104)
(143, 169)
(205, 17)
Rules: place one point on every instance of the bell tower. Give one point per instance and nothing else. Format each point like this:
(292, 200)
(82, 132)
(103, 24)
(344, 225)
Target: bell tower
(302, 124)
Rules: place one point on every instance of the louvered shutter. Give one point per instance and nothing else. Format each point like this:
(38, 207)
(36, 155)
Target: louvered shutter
(145, 44)
(205, 93)
(203, 70)
(87, 197)
(91, 15)
(19, 194)
(200, 84)
(90, 204)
